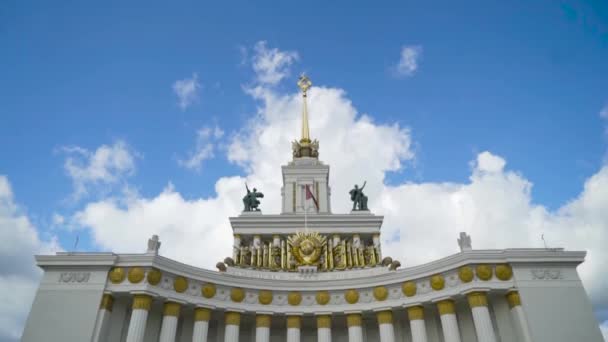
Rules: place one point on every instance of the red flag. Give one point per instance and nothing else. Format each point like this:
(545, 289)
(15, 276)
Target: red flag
(309, 195)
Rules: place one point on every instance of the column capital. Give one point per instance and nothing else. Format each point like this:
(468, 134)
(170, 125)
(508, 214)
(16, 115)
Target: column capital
(353, 320)
(385, 317)
(202, 314)
(294, 322)
(107, 301)
(171, 309)
(262, 321)
(142, 302)
(477, 299)
(415, 312)
(513, 299)
(232, 318)
(446, 307)
(323, 321)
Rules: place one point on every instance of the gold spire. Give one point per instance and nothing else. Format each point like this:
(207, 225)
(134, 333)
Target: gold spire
(304, 84)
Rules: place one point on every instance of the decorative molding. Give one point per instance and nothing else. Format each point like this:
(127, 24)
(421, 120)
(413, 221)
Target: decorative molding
(546, 274)
(74, 277)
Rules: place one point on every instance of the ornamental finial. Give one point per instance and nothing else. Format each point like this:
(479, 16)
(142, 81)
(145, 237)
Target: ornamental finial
(304, 84)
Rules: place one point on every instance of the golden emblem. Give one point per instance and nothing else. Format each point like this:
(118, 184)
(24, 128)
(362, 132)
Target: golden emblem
(307, 247)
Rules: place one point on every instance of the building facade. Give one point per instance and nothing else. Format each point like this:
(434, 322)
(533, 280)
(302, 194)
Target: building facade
(308, 274)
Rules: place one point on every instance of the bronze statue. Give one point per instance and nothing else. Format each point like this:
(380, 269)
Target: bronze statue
(250, 201)
(358, 198)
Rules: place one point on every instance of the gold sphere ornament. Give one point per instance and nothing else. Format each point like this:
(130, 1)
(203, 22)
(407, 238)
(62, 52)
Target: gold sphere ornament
(409, 288)
(265, 297)
(117, 275)
(504, 272)
(154, 277)
(465, 273)
(294, 298)
(180, 284)
(237, 294)
(437, 282)
(351, 296)
(322, 297)
(484, 272)
(380, 293)
(208, 290)
(136, 274)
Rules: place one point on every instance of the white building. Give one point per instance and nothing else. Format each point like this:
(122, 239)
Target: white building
(308, 274)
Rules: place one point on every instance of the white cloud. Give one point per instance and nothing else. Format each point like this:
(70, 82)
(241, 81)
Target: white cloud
(187, 91)
(604, 328)
(408, 63)
(105, 166)
(495, 206)
(19, 276)
(604, 112)
(206, 143)
(271, 65)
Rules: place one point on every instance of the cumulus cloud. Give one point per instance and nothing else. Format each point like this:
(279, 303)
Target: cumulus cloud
(271, 65)
(206, 143)
(107, 165)
(408, 63)
(422, 219)
(186, 91)
(604, 328)
(19, 276)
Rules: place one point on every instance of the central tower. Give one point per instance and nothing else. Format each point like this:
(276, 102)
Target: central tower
(305, 176)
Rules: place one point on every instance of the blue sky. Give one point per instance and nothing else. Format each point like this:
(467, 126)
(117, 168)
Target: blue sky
(524, 81)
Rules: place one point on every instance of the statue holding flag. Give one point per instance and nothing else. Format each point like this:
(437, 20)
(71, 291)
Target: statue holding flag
(250, 201)
(358, 198)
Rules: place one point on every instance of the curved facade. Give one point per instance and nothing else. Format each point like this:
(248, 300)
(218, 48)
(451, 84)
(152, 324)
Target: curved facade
(308, 274)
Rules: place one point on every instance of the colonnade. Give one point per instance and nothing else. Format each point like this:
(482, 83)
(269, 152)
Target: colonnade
(478, 303)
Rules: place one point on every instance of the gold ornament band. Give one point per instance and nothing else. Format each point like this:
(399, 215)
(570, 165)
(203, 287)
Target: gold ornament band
(322, 297)
(154, 276)
(294, 322)
(208, 290)
(324, 321)
(351, 296)
(446, 307)
(202, 314)
(171, 309)
(380, 293)
(513, 299)
(237, 294)
(353, 320)
(233, 318)
(385, 317)
(262, 321)
(265, 297)
(477, 299)
(294, 298)
(409, 288)
(117, 275)
(180, 284)
(415, 312)
(437, 282)
(142, 302)
(106, 302)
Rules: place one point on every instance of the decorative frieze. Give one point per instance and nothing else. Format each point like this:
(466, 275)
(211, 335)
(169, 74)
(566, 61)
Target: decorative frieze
(74, 277)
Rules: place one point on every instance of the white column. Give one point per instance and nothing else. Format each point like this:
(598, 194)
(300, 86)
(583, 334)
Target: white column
(262, 328)
(231, 329)
(449, 323)
(324, 328)
(201, 324)
(103, 317)
(236, 248)
(385, 326)
(168, 329)
(293, 328)
(139, 317)
(355, 333)
(478, 301)
(519, 318)
(417, 325)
